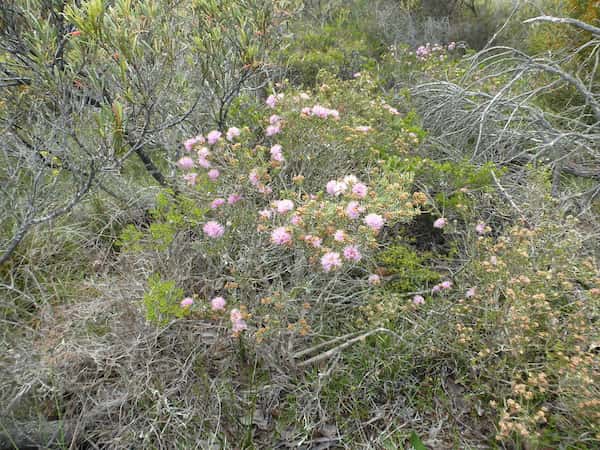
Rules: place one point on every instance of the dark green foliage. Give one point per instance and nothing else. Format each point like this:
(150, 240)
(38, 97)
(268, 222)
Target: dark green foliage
(408, 268)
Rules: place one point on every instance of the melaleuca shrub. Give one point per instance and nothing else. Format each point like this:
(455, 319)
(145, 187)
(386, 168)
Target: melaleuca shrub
(407, 65)
(292, 210)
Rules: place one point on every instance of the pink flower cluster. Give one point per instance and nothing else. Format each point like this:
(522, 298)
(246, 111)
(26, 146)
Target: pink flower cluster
(232, 133)
(313, 241)
(331, 261)
(213, 229)
(284, 206)
(276, 154)
(443, 286)
(186, 302)
(185, 163)
(274, 126)
(273, 99)
(336, 188)
(213, 137)
(425, 51)
(218, 304)
(321, 112)
(189, 144)
(418, 299)
(354, 210)
(374, 222)
(352, 253)
(238, 324)
(440, 223)
(349, 186)
(281, 236)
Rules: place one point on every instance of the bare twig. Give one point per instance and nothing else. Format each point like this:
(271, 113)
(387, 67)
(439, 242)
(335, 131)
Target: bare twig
(566, 20)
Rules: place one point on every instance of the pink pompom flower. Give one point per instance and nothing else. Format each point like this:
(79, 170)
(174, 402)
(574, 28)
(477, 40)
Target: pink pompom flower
(446, 284)
(213, 229)
(319, 111)
(352, 253)
(331, 261)
(191, 178)
(471, 292)
(265, 214)
(232, 133)
(218, 304)
(203, 153)
(339, 236)
(186, 302)
(281, 236)
(233, 199)
(203, 162)
(440, 223)
(336, 188)
(374, 221)
(213, 174)
(271, 101)
(418, 300)
(313, 241)
(185, 163)
(274, 119)
(189, 144)
(272, 130)
(239, 326)
(353, 210)
(360, 190)
(237, 322)
(235, 315)
(213, 137)
(284, 206)
(217, 202)
(254, 177)
(276, 153)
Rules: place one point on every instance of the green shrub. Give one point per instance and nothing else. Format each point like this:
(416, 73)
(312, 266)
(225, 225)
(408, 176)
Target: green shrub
(342, 46)
(409, 270)
(162, 301)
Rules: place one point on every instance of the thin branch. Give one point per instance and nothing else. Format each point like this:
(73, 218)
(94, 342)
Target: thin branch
(566, 20)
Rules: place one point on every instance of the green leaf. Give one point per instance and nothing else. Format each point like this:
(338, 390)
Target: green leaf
(416, 442)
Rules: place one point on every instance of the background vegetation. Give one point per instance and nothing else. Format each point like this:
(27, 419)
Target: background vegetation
(299, 224)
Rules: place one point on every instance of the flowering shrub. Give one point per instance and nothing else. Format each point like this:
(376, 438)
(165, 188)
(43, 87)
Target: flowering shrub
(407, 64)
(277, 240)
